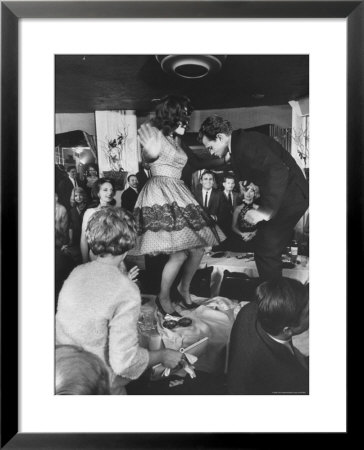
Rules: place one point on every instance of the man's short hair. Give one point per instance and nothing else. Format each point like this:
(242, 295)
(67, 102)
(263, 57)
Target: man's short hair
(111, 230)
(207, 172)
(228, 176)
(70, 168)
(131, 175)
(214, 125)
(281, 303)
(79, 372)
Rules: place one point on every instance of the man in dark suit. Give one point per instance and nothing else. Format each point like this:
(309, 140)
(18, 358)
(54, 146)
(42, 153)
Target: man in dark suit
(130, 195)
(210, 198)
(231, 201)
(66, 187)
(283, 187)
(262, 358)
(143, 175)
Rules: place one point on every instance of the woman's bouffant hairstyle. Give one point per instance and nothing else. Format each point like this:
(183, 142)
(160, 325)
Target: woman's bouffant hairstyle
(79, 372)
(212, 126)
(281, 303)
(111, 231)
(170, 112)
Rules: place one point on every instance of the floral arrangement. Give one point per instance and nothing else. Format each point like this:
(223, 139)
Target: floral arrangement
(115, 147)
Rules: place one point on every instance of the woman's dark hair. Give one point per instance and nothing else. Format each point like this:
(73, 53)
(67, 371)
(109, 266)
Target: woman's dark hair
(170, 112)
(96, 189)
(281, 303)
(93, 166)
(212, 126)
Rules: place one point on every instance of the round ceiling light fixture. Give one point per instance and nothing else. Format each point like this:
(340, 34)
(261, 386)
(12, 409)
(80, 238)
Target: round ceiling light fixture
(191, 66)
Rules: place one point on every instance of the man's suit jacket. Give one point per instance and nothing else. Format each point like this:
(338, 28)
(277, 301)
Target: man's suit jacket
(235, 203)
(142, 178)
(216, 206)
(64, 192)
(260, 365)
(128, 199)
(259, 158)
(228, 208)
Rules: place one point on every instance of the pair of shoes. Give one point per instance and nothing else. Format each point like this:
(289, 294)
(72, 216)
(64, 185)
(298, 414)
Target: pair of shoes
(178, 298)
(160, 308)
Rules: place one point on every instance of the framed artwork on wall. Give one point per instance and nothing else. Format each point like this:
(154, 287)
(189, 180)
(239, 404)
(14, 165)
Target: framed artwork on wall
(14, 148)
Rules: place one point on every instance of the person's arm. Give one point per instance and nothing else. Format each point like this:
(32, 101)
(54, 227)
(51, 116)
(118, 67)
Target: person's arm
(197, 163)
(167, 357)
(234, 225)
(83, 241)
(151, 140)
(126, 357)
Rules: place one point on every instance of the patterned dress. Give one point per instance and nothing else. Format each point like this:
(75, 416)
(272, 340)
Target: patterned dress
(168, 217)
(243, 225)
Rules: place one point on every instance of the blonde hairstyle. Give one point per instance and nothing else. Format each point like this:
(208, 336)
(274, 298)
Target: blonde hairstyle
(75, 190)
(111, 231)
(79, 372)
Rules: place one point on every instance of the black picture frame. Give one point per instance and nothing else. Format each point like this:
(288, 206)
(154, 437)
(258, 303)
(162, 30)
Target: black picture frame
(11, 12)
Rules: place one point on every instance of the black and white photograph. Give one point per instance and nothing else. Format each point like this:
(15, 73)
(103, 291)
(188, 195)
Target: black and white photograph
(182, 224)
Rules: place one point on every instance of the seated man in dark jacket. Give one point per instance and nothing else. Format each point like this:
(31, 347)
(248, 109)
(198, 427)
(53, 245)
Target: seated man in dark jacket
(262, 359)
(130, 195)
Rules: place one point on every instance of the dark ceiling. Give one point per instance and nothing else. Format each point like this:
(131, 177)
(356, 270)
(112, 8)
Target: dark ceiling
(86, 83)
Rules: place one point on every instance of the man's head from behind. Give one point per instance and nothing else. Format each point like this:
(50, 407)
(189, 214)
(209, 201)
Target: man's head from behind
(111, 231)
(283, 307)
(80, 373)
(215, 135)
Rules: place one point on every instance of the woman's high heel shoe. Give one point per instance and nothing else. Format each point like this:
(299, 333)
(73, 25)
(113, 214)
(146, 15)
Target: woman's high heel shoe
(161, 310)
(178, 298)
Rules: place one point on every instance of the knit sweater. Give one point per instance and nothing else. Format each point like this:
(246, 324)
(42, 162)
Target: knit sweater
(98, 310)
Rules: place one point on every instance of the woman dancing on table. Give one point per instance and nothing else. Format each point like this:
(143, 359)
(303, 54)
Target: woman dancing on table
(169, 219)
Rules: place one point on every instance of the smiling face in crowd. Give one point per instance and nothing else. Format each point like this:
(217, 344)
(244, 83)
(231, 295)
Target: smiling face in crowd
(106, 193)
(207, 181)
(79, 197)
(92, 172)
(133, 182)
(249, 194)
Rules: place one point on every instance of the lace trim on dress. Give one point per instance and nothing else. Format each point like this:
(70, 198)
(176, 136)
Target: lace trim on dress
(171, 217)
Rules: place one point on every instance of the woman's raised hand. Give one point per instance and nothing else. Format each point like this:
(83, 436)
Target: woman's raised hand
(151, 140)
(133, 273)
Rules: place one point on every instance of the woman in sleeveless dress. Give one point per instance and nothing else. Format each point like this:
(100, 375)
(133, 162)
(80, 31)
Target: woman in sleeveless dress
(169, 219)
(244, 230)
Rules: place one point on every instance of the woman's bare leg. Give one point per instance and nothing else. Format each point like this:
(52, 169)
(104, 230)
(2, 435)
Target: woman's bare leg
(169, 274)
(189, 269)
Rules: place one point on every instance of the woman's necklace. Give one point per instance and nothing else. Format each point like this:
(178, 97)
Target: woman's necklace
(173, 141)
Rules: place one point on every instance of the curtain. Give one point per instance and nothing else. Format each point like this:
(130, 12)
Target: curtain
(91, 143)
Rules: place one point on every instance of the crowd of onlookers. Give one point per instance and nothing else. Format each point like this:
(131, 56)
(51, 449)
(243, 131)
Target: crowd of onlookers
(98, 351)
(77, 199)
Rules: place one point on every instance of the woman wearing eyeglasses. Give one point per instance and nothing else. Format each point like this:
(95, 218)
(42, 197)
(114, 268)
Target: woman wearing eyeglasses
(169, 219)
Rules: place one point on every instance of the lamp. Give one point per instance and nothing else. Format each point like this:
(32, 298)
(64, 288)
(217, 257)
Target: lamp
(191, 66)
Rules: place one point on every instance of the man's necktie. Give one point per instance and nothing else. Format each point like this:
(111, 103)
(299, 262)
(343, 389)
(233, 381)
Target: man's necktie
(230, 199)
(206, 200)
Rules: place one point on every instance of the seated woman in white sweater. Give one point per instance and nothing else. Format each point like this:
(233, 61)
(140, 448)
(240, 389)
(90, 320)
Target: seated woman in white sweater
(98, 306)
